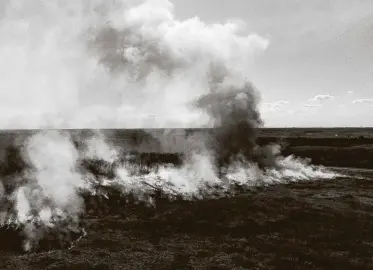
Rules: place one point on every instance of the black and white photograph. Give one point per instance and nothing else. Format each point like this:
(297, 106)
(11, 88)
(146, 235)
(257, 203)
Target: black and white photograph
(186, 134)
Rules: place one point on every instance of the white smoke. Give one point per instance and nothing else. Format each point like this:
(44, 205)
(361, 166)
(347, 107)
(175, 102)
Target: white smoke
(98, 147)
(54, 158)
(51, 187)
(110, 64)
(51, 196)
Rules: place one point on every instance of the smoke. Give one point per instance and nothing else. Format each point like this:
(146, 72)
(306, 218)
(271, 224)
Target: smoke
(48, 196)
(126, 64)
(106, 64)
(236, 119)
(50, 187)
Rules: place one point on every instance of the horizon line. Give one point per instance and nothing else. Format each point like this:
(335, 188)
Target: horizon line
(183, 128)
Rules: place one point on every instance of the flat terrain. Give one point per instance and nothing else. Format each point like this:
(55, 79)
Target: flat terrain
(307, 225)
(314, 225)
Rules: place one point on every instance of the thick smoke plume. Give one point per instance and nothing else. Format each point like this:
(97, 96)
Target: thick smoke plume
(234, 109)
(111, 64)
(125, 64)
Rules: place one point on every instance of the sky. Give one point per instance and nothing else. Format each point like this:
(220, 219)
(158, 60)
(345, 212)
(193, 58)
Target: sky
(144, 63)
(318, 67)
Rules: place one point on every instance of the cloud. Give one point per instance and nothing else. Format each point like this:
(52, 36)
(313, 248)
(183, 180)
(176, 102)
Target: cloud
(314, 105)
(363, 101)
(316, 101)
(322, 97)
(274, 106)
(111, 64)
(350, 92)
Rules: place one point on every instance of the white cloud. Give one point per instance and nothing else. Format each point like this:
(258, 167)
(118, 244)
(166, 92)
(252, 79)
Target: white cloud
(317, 101)
(314, 105)
(363, 101)
(350, 92)
(274, 106)
(322, 97)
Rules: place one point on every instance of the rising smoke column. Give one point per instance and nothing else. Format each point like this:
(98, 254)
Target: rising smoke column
(50, 195)
(234, 110)
(224, 91)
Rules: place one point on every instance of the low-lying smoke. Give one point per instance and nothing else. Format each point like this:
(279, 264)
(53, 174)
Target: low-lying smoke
(113, 64)
(48, 196)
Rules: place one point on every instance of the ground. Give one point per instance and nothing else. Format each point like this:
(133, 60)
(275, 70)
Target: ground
(309, 225)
